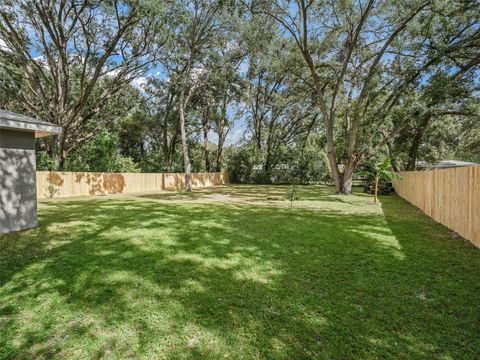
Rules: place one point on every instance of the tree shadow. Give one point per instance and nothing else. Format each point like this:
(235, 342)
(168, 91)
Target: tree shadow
(18, 205)
(141, 278)
(309, 196)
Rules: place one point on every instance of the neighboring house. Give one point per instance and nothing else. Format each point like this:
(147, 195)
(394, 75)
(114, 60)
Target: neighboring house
(259, 167)
(442, 164)
(18, 200)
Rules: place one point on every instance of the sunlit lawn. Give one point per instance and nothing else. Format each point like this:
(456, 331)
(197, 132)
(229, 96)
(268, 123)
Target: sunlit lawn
(233, 272)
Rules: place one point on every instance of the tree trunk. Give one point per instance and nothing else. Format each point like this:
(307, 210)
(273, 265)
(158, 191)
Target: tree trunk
(332, 161)
(413, 153)
(205, 141)
(171, 151)
(267, 168)
(186, 158)
(375, 198)
(218, 167)
(165, 153)
(268, 156)
(347, 177)
(329, 123)
(392, 157)
(165, 147)
(58, 151)
(221, 137)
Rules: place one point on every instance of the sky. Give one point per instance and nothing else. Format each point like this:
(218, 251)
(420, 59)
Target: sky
(237, 129)
(3, 46)
(234, 136)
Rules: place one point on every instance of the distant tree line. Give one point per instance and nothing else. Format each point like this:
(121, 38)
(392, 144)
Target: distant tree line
(273, 91)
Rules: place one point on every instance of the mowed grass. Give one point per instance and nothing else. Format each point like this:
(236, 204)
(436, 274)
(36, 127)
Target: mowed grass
(234, 273)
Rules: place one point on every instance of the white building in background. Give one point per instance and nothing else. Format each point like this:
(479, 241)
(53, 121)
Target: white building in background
(442, 164)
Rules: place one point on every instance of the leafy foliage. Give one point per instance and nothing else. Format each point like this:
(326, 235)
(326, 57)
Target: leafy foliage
(274, 91)
(44, 161)
(380, 171)
(100, 154)
(293, 194)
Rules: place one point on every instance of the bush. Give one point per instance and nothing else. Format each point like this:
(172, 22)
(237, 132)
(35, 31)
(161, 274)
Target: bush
(100, 154)
(301, 165)
(44, 162)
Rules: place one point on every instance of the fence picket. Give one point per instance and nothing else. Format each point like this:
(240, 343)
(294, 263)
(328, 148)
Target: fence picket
(449, 196)
(67, 184)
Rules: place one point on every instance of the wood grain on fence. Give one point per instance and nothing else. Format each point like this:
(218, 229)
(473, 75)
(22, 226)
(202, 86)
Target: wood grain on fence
(449, 196)
(66, 184)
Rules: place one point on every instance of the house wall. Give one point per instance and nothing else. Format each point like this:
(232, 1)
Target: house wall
(18, 202)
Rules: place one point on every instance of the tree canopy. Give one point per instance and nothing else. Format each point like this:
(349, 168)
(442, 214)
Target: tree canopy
(273, 91)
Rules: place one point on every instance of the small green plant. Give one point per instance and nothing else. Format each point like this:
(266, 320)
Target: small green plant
(52, 189)
(292, 194)
(380, 172)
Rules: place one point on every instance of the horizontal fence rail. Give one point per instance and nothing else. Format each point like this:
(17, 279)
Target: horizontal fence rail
(66, 184)
(449, 196)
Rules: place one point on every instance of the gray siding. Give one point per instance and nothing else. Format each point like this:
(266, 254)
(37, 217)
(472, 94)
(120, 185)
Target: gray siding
(11, 139)
(18, 200)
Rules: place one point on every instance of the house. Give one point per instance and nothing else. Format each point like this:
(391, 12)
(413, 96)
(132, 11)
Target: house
(18, 200)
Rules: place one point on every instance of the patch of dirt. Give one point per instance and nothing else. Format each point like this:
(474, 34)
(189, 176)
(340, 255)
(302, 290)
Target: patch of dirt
(220, 197)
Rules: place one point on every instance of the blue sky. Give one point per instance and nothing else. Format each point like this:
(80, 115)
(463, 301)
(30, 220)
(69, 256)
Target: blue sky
(237, 129)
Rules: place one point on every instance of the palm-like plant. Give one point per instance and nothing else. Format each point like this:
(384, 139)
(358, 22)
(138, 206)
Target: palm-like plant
(379, 172)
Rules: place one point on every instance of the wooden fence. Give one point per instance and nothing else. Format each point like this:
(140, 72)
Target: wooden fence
(66, 184)
(449, 196)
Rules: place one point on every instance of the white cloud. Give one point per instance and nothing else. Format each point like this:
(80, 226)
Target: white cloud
(3, 45)
(140, 82)
(234, 137)
(111, 73)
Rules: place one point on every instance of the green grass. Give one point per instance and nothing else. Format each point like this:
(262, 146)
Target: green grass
(233, 273)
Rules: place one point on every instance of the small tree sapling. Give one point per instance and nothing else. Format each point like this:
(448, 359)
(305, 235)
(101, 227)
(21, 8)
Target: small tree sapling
(379, 172)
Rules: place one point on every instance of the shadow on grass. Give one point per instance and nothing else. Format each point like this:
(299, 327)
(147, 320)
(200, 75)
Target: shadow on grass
(261, 195)
(143, 279)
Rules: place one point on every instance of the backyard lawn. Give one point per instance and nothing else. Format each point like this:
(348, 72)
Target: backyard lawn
(232, 272)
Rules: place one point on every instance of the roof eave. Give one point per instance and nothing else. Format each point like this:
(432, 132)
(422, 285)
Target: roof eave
(40, 129)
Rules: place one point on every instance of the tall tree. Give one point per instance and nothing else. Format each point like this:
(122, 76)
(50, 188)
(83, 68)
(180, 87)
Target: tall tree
(199, 34)
(217, 104)
(444, 95)
(161, 102)
(65, 60)
(279, 105)
(230, 86)
(433, 115)
(363, 55)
